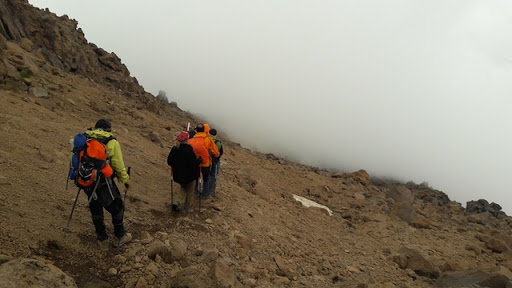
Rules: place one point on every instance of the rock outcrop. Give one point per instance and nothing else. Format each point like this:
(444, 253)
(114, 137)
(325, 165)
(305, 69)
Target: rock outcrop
(56, 45)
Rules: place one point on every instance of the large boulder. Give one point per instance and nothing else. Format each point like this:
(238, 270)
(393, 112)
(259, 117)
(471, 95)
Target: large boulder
(482, 206)
(361, 177)
(23, 272)
(472, 278)
(408, 258)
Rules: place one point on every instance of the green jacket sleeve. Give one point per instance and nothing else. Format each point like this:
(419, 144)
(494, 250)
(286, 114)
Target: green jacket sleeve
(116, 160)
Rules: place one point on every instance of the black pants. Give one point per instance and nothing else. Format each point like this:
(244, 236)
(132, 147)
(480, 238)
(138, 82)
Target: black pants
(114, 206)
(214, 172)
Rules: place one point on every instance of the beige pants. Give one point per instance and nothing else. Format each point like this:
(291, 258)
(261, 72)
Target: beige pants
(184, 194)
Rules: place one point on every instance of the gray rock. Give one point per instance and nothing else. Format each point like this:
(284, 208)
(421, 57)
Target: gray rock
(39, 92)
(482, 206)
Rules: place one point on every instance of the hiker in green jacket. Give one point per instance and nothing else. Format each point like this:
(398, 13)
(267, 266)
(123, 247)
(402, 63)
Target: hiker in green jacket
(214, 171)
(106, 191)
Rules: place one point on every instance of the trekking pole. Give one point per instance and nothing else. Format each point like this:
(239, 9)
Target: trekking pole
(67, 181)
(200, 191)
(126, 189)
(67, 178)
(200, 195)
(66, 230)
(217, 176)
(172, 192)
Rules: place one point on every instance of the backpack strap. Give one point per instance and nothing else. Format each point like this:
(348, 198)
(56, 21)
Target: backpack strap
(104, 141)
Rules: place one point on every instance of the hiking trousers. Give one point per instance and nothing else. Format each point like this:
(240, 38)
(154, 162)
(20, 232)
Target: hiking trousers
(214, 173)
(184, 195)
(205, 171)
(114, 206)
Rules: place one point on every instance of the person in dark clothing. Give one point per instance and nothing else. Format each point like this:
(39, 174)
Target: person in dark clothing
(185, 171)
(191, 133)
(214, 171)
(107, 194)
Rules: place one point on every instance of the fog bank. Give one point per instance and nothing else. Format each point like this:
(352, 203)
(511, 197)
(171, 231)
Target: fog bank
(414, 90)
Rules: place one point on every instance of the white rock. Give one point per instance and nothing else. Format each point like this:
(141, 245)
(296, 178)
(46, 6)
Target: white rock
(112, 272)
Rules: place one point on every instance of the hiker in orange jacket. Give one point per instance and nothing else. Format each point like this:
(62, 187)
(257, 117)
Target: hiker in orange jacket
(201, 153)
(208, 143)
(201, 137)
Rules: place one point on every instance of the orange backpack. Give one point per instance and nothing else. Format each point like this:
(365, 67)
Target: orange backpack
(92, 164)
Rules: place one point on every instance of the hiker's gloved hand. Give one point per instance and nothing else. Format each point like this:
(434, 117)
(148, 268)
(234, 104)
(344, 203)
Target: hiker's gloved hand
(126, 185)
(200, 159)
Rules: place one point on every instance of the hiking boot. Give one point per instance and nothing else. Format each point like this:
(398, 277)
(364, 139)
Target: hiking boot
(175, 207)
(104, 244)
(123, 240)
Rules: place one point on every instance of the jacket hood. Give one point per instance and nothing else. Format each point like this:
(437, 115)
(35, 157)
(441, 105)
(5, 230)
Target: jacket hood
(206, 128)
(99, 133)
(200, 135)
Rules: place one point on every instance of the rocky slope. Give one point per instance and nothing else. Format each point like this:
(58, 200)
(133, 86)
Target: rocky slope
(54, 84)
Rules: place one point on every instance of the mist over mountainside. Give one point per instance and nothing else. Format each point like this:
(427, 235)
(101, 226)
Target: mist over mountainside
(54, 84)
(415, 90)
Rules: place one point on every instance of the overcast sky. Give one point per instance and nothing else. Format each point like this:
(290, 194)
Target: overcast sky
(410, 89)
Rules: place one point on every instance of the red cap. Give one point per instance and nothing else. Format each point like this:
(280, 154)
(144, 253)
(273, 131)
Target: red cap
(183, 136)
